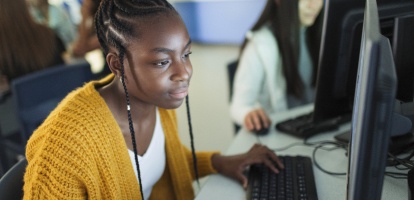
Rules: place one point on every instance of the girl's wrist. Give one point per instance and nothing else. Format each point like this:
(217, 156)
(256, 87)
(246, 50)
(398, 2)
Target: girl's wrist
(217, 161)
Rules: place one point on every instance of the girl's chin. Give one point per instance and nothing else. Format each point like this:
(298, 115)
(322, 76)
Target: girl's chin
(173, 104)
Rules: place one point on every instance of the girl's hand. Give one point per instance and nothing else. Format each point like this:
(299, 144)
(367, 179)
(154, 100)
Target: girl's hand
(234, 166)
(256, 120)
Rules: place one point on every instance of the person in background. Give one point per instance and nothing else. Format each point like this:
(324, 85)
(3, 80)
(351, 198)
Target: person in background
(117, 138)
(56, 18)
(86, 40)
(72, 8)
(26, 46)
(278, 62)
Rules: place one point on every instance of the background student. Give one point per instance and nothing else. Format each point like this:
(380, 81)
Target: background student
(25, 46)
(55, 17)
(86, 40)
(278, 62)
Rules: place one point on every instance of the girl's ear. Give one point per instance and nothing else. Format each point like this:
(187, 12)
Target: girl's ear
(114, 64)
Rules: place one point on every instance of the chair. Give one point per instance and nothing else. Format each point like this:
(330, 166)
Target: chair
(11, 184)
(11, 144)
(231, 71)
(38, 93)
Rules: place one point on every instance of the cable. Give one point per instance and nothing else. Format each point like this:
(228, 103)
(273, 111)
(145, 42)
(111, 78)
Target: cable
(406, 162)
(396, 175)
(288, 146)
(306, 143)
(399, 162)
(281, 148)
(320, 167)
(319, 145)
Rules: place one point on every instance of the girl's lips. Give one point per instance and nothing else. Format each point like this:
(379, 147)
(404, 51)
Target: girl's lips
(181, 94)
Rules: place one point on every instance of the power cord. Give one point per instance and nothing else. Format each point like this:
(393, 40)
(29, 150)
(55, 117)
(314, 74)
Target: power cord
(399, 163)
(396, 175)
(393, 160)
(336, 145)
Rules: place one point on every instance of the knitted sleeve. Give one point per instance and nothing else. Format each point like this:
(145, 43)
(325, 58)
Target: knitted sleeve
(61, 159)
(55, 169)
(204, 164)
(79, 153)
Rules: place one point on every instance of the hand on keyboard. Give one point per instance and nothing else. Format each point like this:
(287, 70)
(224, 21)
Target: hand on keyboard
(234, 166)
(296, 181)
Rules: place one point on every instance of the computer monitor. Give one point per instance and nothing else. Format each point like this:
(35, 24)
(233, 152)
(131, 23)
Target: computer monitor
(403, 48)
(373, 109)
(332, 98)
(340, 49)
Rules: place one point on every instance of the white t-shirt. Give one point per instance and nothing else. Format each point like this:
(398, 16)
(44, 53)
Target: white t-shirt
(152, 163)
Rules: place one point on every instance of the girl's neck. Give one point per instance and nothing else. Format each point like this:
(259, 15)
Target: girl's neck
(115, 98)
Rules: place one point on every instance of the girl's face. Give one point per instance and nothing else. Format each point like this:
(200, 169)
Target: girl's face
(308, 11)
(158, 69)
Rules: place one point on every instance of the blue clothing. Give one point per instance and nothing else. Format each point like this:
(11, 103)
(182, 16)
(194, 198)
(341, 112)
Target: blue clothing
(59, 21)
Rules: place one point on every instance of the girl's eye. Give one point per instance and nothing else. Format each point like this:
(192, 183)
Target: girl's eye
(162, 63)
(187, 54)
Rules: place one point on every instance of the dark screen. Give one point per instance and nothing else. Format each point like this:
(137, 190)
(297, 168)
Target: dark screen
(340, 49)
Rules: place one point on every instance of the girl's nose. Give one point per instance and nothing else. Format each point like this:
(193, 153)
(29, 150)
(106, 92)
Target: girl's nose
(182, 71)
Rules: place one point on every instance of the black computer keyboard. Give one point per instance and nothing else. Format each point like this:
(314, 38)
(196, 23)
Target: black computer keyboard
(295, 182)
(304, 126)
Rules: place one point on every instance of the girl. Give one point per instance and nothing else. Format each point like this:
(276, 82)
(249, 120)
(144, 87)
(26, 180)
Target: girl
(278, 62)
(117, 138)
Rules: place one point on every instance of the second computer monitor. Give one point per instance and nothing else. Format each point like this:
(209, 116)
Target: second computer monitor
(340, 49)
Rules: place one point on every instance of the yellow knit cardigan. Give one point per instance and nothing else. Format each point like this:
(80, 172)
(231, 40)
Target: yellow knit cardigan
(80, 153)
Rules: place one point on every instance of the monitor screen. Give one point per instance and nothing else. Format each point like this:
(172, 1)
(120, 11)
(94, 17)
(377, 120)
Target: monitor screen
(340, 49)
(403, 48)
(338, 60)
(373, 109)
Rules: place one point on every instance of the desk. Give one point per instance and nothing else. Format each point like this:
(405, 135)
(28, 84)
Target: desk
(328, 186)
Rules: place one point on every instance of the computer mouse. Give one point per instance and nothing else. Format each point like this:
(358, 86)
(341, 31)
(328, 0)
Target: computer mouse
(263, 130)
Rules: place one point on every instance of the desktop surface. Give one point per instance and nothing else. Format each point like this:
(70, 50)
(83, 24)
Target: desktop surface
(328, 186)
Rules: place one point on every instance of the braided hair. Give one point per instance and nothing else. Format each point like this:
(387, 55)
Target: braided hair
(115, 23)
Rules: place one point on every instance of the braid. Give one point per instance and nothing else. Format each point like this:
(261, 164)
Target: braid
(113, 20)
(115, 24)
(131, 126)
(192, 140)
